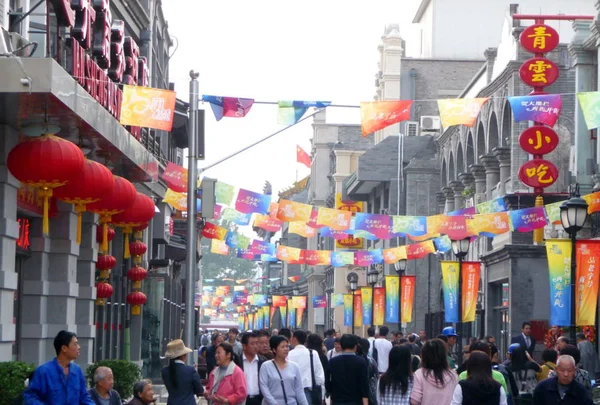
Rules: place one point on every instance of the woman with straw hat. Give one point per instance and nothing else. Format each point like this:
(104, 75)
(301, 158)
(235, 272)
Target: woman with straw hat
(227, 382)
(182, 381)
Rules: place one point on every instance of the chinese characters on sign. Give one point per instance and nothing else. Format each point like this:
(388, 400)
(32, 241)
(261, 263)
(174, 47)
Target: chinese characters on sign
(538, 140)
(538, 173)
(538, 72)
(539, 38)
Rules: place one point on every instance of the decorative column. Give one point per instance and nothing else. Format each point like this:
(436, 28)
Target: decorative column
(441, 201)
(468, 181)
(583, 64)
(492, 174)
(478, 172)
(9, 232)
(457, 188)
(503, 156)
(449, 195)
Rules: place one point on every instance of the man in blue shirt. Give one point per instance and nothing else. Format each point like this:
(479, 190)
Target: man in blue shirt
(59, 381)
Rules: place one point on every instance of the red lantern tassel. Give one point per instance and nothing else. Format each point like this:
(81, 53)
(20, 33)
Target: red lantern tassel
(104, 246)
(45, 193)
(126, 252)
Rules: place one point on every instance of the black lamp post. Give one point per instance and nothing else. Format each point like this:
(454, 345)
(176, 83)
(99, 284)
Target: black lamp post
(460, 248)
(353, 280)
(573, 214)
(372, 277)
(400, 267)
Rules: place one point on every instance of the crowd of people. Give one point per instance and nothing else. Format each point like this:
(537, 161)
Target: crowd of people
(284, 367)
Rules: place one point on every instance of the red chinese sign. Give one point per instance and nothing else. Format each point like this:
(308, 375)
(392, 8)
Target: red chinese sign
(538, 72)
(538, 173)
(538, 140)
(539, 38)
(23, 241)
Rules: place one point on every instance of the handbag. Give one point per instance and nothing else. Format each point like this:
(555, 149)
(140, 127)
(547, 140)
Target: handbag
(280, 379)
(375, 352)
(316, 393)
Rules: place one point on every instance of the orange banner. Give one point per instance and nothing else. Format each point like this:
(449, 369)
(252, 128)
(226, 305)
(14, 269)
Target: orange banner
(392, 255)
(358, 319)
(588, 258)
(286, 253)
(291, 211)
(378, 305)
(147, 107)
(593, 201)
(470, 289)
(376, 115)
(219, 247)
(279, 301)
(300, 228)
(338, 220)
(407, 284)
(460, 111)
(299, 302)
(494, 223)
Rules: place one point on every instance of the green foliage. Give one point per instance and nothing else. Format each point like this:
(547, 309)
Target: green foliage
(12, 378)
(125, 373)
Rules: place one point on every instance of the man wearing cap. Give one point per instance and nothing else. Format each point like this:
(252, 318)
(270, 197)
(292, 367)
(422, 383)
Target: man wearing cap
(525, 339)
(450, 334)
(182, 381)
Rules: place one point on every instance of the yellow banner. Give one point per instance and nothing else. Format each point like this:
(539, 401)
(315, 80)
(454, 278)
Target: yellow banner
(291, 211)
(353, 206)
(176, 200)
(300, 228)
(147, 107)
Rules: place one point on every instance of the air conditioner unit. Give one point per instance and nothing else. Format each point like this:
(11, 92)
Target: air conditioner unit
(411, 128)
(430, 123)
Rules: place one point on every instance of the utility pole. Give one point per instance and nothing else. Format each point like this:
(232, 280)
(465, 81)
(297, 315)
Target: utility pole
(190, 261)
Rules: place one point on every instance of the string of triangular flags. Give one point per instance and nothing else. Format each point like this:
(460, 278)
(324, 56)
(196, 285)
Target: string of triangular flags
(376, 115)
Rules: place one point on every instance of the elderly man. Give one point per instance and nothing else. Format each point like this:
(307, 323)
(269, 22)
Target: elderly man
(562, 389)
(103, 393)
(142, 393)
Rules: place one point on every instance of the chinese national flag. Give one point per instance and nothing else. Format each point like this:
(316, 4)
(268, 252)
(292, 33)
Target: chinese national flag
(302, 157)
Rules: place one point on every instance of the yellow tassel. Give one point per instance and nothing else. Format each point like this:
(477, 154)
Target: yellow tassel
(136, 310)
(538, 234)
(79, 209)
(137, 285)
(45, 193)
(104, 246)
(126, 253)
(104, 274)
(138, 235)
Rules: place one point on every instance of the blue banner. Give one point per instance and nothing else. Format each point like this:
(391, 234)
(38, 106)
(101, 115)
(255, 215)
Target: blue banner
(450, 272)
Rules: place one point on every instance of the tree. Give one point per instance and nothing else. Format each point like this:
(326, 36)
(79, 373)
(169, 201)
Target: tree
(219, 266)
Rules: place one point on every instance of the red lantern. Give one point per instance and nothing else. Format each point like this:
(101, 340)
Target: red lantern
(137, 248)
(94, 182)
(99, 234)
(104, 264)
(121, 197)
(103, 291)
(136, 299)
(46, 162)
(137, 275)
(139, 213)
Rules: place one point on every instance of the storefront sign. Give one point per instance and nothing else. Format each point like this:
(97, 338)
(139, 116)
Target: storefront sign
(538, 173)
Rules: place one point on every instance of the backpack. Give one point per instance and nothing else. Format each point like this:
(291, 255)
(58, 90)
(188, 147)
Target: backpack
(204, 341)
(375, 353)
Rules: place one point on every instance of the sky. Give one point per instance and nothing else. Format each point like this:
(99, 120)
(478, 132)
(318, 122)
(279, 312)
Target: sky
(272, 50)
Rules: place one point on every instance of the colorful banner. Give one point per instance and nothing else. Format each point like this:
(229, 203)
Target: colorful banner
(335, 219)
(495, 205)
(176, 200)
(340, 259)
(267, 223)
(419, 250)
(343, 240)
(559, 267)
(283, 314)
(358, 314)
(246, 323)
(259, 247)
(148, 107)
(279, 301)
(378, 225)
(176, 177)
(366, 294)
(212, 231)
(460, 111)
(303, 157)
(378, 305)
(443, 244)
(272, 313)
(228, 106)
(392, 300)
(236, 241)
(528, 219)
(290, 112)
(339, 236)
(293, 279)
(245, 254)
(224, 193)
(248, 202)
(292, 211)
(376, 115)
(291, 314)
(337, 300)
(299, 317)
(300, 259)
(286, 253)
(490, 225)
(300, 228)
(298, 302)
(267, 319)
(259, 319)
(319, 301)
(240, 297)
(450, 272)
(409, 225)
(553, 212)
(593, 201)
(408, 297)
(347, 309)
(219, 247)
(470, 290)
(588, 258)
(540, 108)
(229, 214)
(368, 257)
(590, 106)
(260, 300)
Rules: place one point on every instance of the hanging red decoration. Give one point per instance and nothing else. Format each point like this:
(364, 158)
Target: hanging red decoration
(93, 183)
(103, 291)
(46, 163)
(99, 232)
(136, 299)
(104, 264)
(121, 197)
(139, 213)
(137, 274)
(137, 248)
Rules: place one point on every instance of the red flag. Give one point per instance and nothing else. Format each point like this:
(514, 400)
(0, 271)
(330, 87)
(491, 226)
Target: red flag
(293, 279)
(376, 115)
(302, 156)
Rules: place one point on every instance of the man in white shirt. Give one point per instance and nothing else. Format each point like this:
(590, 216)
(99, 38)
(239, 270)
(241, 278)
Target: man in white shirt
(383, 347)
(250, 362)
(371, 339)
(302, 357)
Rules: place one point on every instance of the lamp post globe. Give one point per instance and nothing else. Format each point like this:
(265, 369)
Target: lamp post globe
(400, 266)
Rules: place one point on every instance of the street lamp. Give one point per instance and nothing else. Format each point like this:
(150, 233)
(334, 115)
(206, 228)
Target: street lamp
(372, 277)
(400, 267)
(573, 214)
(353, 280)
(460, 248)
